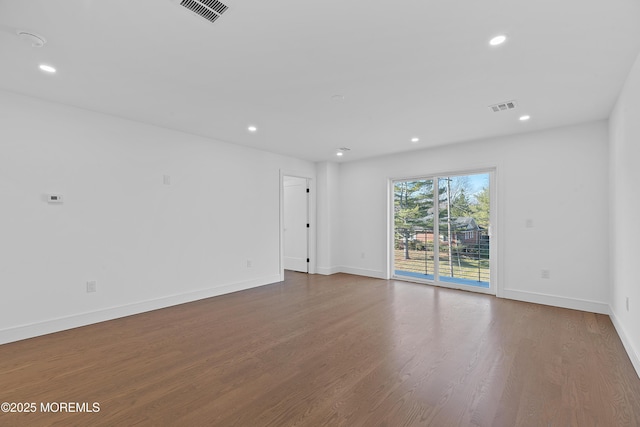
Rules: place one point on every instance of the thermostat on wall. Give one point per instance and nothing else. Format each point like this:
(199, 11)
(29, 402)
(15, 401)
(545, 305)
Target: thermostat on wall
(54, 198)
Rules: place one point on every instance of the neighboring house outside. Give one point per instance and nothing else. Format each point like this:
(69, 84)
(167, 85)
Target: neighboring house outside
(465, 231)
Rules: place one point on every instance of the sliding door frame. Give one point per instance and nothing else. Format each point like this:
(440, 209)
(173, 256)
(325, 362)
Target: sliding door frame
(494, 227)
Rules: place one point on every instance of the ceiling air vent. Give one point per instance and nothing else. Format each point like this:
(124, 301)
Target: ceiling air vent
(503, 106)
(210, 10)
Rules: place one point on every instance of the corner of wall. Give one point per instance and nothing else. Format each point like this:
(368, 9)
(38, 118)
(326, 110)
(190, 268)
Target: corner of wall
(624, 203)
(633, 354)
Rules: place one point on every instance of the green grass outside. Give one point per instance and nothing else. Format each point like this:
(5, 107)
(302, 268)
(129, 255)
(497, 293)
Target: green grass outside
(463, 267)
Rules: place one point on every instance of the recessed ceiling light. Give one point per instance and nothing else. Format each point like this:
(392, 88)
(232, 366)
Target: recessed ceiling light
(340, 151)
(337, 98)
(47, 68)
(252, 128)
(497, 40)
(524, 118)
(415, 139)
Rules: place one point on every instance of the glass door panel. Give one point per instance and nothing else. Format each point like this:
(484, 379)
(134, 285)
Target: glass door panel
(413, 228)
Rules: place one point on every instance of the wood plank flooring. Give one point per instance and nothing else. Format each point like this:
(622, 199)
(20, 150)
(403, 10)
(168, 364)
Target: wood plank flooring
(335, 350)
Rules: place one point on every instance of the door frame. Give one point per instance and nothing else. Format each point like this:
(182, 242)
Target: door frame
(494, 249)
(312, 218)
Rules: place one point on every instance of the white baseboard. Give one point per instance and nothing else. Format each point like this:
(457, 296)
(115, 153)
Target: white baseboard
(557, 301)
(327, 271)
(624, 337)
(362, 272)
(69, 322)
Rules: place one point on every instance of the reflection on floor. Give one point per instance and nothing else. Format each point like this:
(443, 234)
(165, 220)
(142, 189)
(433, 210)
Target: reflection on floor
(455, 280)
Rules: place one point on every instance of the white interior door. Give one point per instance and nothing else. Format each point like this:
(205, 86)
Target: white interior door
(296, 232)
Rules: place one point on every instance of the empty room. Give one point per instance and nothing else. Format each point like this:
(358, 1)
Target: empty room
(250, 213)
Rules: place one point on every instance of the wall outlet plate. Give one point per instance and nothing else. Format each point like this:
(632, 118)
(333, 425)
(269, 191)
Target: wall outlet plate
(92, 286)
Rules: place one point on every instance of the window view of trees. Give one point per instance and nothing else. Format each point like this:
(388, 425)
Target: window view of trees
(413, 211)
(463, 222)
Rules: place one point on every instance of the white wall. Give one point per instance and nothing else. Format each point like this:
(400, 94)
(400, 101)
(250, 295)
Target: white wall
(328, 176)
(557, 178)
(625, 205)
(147, 244)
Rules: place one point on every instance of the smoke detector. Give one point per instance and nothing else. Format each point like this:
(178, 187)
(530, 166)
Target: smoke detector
(503, 106)
(210, 10)
(35, 40)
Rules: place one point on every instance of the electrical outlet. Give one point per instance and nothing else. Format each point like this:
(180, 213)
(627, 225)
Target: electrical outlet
(249, 263)
(362, 255)
(627, 303)
(545, 274)
(528, 223)
(92, 286)
(166, 179)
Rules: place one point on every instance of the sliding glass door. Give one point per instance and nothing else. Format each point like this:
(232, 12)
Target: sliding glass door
(414, 228)
(448, 242)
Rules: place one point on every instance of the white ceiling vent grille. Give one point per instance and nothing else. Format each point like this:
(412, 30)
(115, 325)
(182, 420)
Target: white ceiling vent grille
(210, 10)
(503, 106)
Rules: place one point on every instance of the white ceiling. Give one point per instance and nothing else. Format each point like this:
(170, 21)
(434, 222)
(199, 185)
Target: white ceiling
(404, 68)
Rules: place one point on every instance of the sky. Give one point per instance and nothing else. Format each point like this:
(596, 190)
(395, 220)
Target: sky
(477, 182)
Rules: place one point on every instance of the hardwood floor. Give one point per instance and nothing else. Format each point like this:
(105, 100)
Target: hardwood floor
(331, 350)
